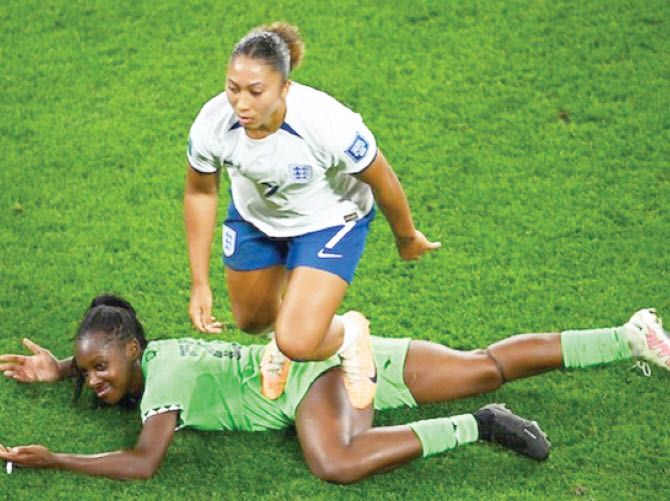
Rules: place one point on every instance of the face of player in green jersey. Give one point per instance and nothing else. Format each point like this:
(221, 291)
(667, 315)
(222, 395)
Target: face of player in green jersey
(257, 94)
(110, 369)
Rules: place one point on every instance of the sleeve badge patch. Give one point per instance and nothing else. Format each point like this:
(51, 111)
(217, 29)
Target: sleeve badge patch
(358, 149)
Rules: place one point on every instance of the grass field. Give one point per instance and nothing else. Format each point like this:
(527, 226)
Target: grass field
(532, 138)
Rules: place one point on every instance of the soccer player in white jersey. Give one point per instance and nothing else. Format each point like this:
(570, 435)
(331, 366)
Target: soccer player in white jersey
(304, 174)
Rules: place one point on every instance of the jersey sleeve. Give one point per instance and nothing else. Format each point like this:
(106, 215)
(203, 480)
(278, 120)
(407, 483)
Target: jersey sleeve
(165, 391)
(353, 146)
(202, 151)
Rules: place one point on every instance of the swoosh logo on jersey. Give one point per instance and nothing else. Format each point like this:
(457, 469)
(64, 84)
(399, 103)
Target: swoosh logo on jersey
(324, 255)
(271, 189)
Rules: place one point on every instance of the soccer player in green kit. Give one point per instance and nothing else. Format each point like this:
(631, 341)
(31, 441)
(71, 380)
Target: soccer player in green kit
(215, 385)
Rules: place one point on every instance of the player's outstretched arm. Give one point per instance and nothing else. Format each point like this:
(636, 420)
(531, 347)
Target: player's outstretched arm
(390, 196)
(140, 462)
(41, 367)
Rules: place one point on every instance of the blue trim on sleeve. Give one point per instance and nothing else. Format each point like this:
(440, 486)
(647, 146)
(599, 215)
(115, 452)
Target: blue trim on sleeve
(236, 125)
(200, 171)
(368, 165)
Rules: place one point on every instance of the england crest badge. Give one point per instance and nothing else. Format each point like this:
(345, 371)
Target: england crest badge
(300, 173)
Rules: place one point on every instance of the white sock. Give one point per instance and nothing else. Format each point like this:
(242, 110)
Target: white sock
(351, 334)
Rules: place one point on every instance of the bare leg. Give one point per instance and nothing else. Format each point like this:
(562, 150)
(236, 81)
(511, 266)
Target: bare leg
(435, 373)
(255, 296)
(305, 328)
(303, 320)
(339, 443)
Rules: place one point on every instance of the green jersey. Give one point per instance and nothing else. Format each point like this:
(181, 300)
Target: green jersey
(216, 385)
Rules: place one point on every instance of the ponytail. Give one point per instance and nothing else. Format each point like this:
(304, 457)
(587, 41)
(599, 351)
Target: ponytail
(279, 44)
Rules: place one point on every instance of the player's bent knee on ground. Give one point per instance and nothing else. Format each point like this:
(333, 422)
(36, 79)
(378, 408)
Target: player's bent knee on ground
(335, 469)
(252, 323)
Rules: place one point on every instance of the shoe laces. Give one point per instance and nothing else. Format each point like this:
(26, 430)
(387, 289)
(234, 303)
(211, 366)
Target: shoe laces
(276, 360)
(350, 361)
(643, 366)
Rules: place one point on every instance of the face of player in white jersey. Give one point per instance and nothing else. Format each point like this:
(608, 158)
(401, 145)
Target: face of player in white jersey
(257, 94)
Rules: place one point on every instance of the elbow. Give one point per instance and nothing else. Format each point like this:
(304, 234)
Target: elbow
(144, 473)
(143, 469)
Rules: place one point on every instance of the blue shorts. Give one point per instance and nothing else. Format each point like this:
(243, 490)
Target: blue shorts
(336, 249)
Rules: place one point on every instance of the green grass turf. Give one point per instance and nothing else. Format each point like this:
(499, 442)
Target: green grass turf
(532, 138)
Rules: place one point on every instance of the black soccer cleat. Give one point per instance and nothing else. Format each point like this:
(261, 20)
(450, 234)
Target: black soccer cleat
(498, 424)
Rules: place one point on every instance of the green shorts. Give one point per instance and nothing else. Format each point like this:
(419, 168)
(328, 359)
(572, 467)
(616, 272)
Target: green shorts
(391, 392)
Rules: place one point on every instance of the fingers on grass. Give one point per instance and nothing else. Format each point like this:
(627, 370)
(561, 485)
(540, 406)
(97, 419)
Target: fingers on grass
(35, 348)
(19, 359)
(214, 328)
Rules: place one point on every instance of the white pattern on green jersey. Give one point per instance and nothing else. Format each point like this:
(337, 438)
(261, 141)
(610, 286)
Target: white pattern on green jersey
(298, 179)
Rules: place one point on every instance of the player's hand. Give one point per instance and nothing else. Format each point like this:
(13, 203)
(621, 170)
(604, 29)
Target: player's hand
(29, 456)
(42, 367)
(413, 248)
(200, 310)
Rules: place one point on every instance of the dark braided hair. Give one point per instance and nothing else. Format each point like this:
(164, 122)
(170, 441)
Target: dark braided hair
(113, 317)
(278, 44)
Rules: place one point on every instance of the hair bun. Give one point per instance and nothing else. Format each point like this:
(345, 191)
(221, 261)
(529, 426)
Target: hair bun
(112, 300)
(291, 35)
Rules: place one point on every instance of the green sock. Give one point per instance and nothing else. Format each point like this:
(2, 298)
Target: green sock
(584, 348)
(442, 434)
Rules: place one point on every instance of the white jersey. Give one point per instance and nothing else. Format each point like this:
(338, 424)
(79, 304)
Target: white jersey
(299, 178)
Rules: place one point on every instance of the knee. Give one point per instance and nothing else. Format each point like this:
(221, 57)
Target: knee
(251, 323)
(294, 346)
(334, 469)
(297, 340)
(491, 373)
